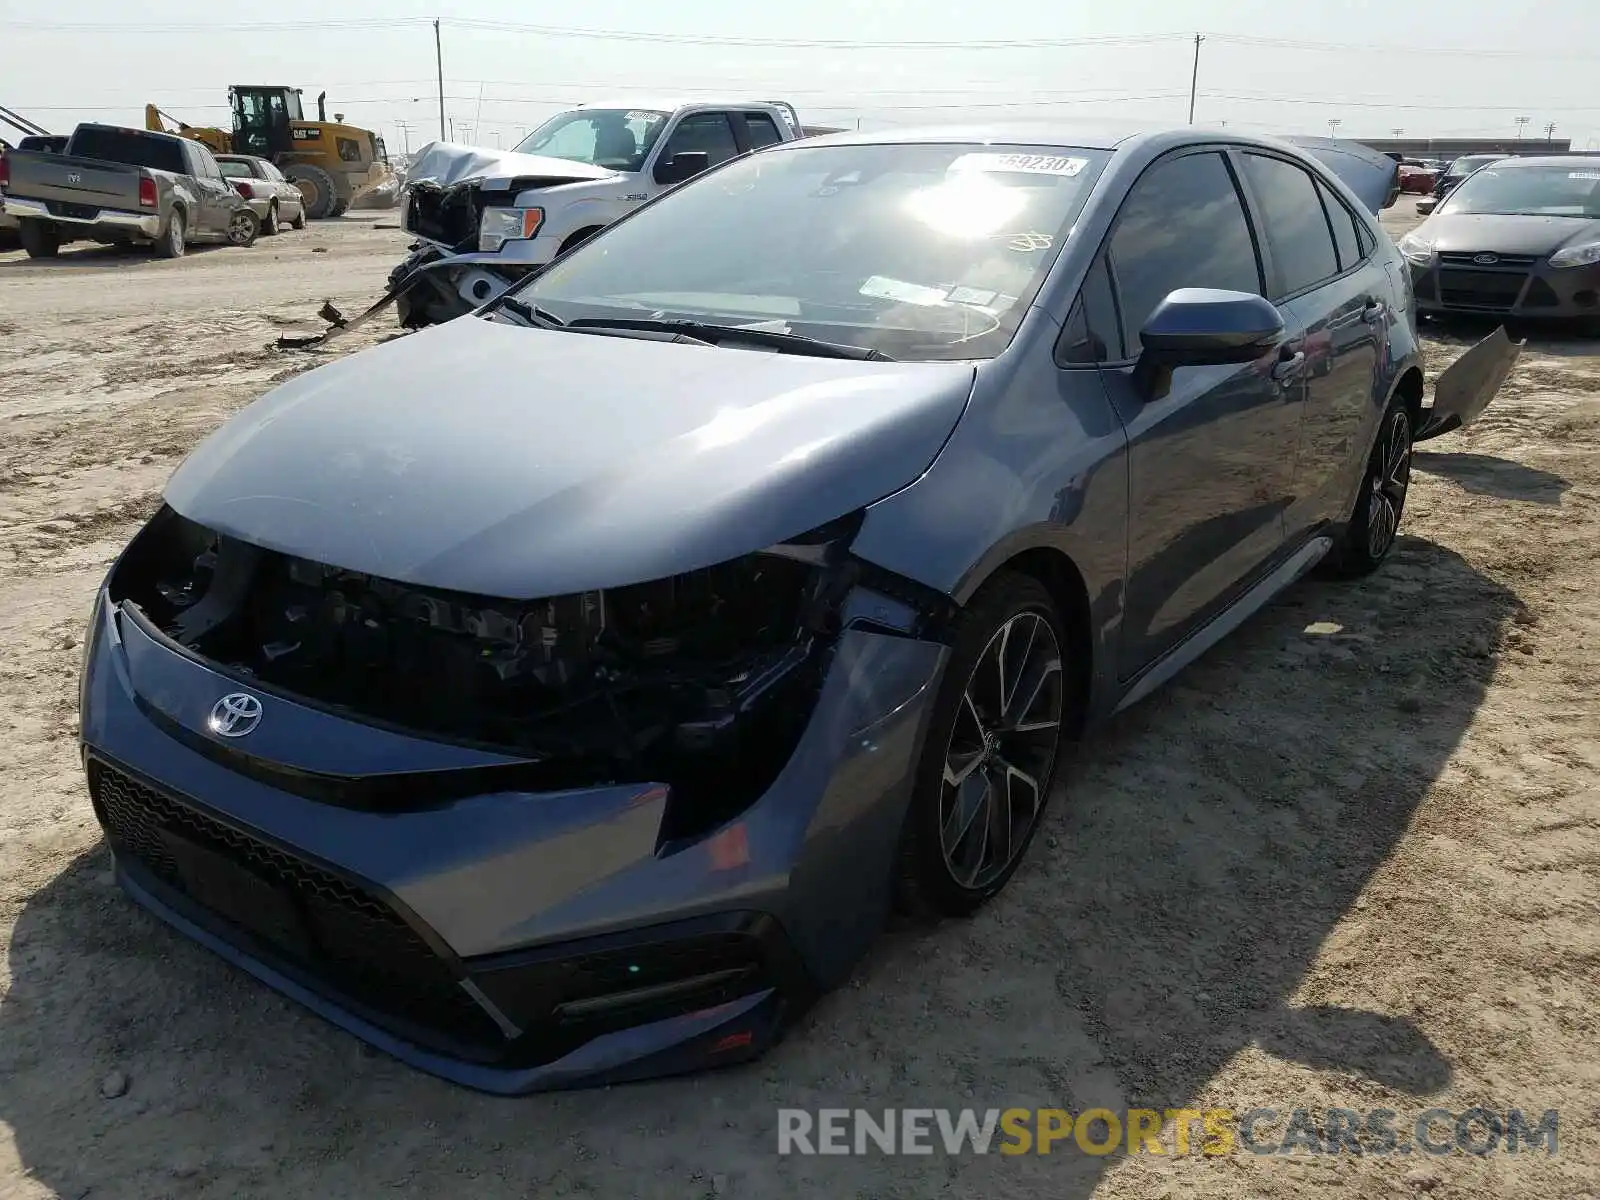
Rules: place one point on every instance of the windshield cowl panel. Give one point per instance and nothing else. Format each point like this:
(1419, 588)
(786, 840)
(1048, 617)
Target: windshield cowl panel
(918, 252)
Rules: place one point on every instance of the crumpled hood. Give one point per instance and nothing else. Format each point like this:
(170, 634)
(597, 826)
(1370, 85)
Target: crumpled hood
(513, 462)
(445, 163)
(1496, 234)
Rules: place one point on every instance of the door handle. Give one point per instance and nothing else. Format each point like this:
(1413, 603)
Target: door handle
(1288, 365)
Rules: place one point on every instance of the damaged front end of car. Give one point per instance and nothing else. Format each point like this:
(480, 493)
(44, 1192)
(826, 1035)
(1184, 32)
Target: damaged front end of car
(517, 843)
(703, 681)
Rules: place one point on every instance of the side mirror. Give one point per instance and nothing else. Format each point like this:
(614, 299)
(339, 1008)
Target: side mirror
(685, 164)
(1195, 327)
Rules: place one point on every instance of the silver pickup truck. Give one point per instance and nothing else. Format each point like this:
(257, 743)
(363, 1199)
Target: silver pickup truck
(122, 186)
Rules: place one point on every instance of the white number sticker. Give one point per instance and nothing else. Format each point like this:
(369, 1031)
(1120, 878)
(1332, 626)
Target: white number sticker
(1583, 175)
(1030, 164)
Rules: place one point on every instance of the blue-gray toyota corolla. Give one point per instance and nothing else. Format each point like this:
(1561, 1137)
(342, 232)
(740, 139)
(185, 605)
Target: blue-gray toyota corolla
(568, 693)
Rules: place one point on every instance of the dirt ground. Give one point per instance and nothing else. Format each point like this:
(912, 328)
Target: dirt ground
(1349, 859)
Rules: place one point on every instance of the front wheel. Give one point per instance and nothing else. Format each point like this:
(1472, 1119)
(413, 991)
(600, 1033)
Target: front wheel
(1374, 523)
(989, 760)
(270, 225)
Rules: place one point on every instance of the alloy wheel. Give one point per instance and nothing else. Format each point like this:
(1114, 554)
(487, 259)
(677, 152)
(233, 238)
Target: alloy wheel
(1002, 749)
(1391, 478)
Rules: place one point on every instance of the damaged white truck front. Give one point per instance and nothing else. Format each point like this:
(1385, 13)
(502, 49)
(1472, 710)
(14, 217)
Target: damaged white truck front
(483, 219)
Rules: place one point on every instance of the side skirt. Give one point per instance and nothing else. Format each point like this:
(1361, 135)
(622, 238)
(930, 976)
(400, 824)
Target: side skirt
(1225, 622)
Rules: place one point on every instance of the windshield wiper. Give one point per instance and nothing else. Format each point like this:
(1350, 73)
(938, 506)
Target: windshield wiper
(532, 313)
(706, 331)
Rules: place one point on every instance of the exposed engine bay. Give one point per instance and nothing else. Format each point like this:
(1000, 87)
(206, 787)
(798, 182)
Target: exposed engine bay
(703, 681)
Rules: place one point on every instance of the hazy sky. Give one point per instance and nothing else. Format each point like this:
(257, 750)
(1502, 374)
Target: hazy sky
(1439, 67)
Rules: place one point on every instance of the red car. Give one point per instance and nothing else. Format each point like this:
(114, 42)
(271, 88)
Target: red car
(1417, 179)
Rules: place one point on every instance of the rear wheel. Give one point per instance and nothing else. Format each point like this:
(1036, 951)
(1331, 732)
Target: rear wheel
(243, 226)
(316, 189)
(1374, 523)
(989, 760)
(40, 239)
(171, 243)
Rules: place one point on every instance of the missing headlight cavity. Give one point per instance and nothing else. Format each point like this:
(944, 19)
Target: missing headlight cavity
(703, 681)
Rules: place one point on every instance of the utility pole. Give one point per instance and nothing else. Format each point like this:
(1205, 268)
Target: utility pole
(1550, 132)
(1194, 76)
(405, 129)
(1397, 132)
(1333, 126)
(1521, 121)
(438, 55)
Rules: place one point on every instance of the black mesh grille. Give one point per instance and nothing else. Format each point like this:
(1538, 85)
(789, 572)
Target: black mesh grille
(333, 929)
(1480, 289)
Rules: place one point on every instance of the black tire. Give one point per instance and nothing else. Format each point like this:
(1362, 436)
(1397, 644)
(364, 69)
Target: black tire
(40, 239)
(243, 228)
(270, 227)
(318, 188)
(175, 238)
(1374, 525)
(299, 221)
(950, 864)
(340, 207)
(574, 240)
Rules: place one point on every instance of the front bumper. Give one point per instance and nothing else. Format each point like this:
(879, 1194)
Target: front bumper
(507, 941)
(114, 220)
(453, 284)
(1512, 286)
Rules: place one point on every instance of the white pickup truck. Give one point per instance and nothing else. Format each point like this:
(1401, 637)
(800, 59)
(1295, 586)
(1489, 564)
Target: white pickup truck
(484, 218)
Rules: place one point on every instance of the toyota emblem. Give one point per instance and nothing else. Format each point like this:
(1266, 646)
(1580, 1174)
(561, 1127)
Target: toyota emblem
(235, 715)
(1486, 260)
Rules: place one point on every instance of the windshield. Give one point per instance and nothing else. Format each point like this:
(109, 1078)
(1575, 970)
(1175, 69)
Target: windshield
(1558, 190)
(1466, 166)
(916, 251)
(618, 138)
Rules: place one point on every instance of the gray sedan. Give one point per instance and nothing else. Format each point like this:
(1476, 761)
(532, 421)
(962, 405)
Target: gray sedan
(567, 694)
(1521, 237)
(273, 199)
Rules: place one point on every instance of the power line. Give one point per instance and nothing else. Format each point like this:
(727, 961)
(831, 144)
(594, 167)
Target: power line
(1273, 98)
(1244, 39)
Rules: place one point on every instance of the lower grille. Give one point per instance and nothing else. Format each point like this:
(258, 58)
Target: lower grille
(327, 926)
(1480, 289)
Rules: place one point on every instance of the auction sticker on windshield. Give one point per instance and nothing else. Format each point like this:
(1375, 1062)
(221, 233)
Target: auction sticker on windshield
(1583, 175)
(1031, 164)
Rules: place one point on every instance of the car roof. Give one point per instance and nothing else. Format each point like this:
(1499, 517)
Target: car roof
(1552, 160)
(670, 104)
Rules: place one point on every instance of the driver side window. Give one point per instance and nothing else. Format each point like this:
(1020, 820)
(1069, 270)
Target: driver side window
(708, 131)
(1183, 225)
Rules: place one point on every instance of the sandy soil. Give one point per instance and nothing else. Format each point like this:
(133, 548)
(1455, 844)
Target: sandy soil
(1349, 859)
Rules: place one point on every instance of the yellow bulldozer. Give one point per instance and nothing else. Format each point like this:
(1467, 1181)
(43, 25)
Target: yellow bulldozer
(335, 166)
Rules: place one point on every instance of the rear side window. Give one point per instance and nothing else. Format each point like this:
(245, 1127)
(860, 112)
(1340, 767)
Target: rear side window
(708, 131)
(1182, 225)
(128, 146)
(1296, 228)
(761, 130)
(1346, 239)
